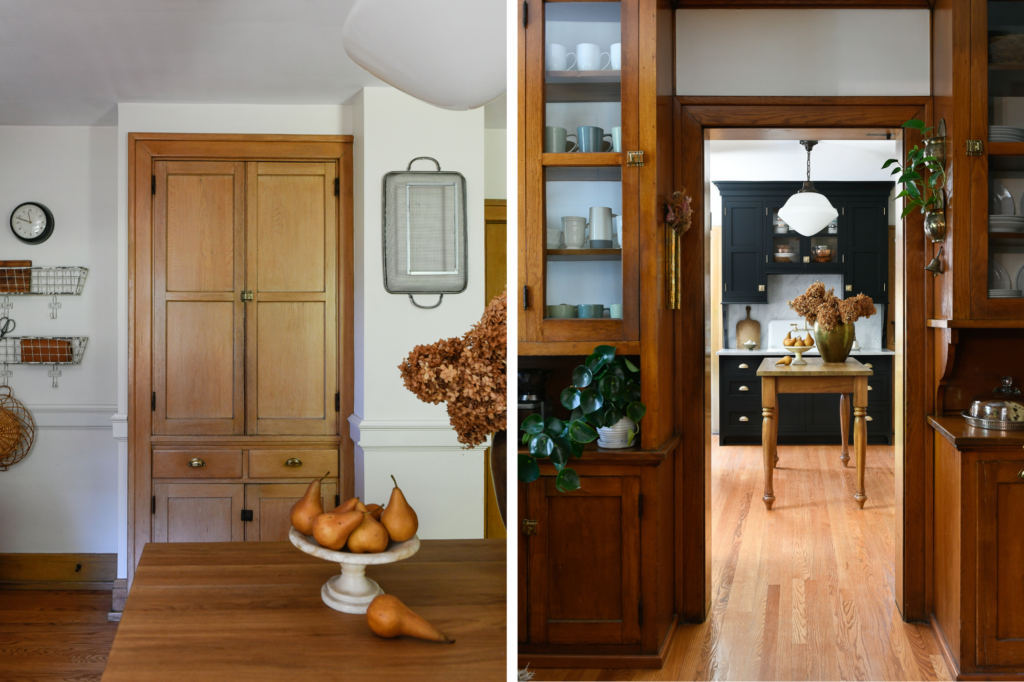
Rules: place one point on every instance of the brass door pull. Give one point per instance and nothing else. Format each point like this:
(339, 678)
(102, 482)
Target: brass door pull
(868, 418)
(744, 419)
(744, 365)
(196, 462)
(744, 388)
(293, 462)
(529, 527)
(870, 389)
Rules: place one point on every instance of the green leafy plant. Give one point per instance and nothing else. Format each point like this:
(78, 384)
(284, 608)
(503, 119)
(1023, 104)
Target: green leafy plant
(605, 388)
(920, 190)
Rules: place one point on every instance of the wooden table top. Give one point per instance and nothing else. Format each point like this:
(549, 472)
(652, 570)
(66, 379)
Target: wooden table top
(252, 611)
(815, 367)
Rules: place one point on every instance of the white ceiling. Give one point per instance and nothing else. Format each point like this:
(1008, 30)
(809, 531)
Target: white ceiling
(69, 62)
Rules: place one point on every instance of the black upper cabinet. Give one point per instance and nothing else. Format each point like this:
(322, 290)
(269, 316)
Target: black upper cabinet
(756, 243)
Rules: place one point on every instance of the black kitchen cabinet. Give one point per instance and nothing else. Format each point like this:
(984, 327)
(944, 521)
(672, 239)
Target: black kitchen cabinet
(743, 252)
(867, 250)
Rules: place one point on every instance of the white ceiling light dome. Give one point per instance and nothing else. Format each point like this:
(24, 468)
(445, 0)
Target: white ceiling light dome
(807, 211)
(449, 53)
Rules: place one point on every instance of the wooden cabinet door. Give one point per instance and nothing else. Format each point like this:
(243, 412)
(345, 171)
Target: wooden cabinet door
(867, 250)
(1001, 564)
(585, 562)
(271, 506)
(198, 272)
(291, 323)
(743, 252)
(198, 512)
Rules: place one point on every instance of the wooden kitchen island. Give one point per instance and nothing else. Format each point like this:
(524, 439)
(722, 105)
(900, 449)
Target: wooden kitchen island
(252, 611)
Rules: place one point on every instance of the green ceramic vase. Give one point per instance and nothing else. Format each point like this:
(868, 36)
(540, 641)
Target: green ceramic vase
(835, 345)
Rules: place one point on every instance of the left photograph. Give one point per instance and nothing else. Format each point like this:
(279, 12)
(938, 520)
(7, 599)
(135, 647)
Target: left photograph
(253, 348)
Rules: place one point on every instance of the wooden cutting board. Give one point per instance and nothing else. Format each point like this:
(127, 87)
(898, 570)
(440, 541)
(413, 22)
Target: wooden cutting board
(748, 330)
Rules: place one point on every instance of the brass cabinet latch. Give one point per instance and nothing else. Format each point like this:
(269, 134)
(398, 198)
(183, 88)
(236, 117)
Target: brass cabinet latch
(529, 527)
(975, 147)
(634, 159)
(247, 297)
(760, 287)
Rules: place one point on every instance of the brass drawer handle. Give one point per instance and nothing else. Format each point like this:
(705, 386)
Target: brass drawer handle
(869, 418)
(293, 462)
(870, 389)
(196, 462)
(744, 419)
(868, 365)
(743, 365)
(744, 388)
(1020, 474)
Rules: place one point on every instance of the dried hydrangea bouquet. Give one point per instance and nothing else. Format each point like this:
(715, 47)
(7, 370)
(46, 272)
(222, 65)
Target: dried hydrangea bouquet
(832, 318)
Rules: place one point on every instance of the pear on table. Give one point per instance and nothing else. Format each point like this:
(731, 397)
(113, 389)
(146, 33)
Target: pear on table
(399, 518)
(389, 617)
(308, 508)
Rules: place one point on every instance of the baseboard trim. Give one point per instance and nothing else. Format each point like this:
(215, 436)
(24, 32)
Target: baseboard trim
(947, 656)
(602, 661)
(120, 595)
(58, 571)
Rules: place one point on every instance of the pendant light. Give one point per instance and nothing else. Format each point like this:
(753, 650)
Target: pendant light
(807, 211)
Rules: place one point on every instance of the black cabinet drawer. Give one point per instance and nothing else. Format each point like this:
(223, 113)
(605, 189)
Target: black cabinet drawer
(740, 365)
(742, 387)
(879, 388)
(742, 415)
(881, 364)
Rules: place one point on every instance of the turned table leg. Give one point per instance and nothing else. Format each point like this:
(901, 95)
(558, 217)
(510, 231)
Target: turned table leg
(768, 437)
(844, 427)
(860, 435)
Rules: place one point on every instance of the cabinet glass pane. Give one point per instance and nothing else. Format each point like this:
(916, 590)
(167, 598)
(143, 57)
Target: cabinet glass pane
(785, 242)
(1006, 173)
(583, 252)
(824, 248)
(583, 77)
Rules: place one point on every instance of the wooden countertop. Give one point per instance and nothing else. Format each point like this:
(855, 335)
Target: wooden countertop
(815, 367)
(252, 611)
(957, 431)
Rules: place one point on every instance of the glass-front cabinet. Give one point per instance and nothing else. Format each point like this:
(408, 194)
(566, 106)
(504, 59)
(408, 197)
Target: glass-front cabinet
(789, 250)
(582, 243)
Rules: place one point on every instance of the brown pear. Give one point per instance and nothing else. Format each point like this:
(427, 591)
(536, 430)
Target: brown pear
(347, 505)
(308, 508)
(360, 507)
(333, 530)
(398, 517)
(389, 617)
(369, 538)
(375, 510)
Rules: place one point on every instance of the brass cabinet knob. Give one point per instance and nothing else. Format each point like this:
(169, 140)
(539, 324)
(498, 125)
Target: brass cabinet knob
(293, 462)
(744, 419)
(196, 462)
(743, 365)
(744, 388)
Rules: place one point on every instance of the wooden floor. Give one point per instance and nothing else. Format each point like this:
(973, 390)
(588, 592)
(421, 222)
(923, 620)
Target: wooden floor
(54, 635)
(804, 592)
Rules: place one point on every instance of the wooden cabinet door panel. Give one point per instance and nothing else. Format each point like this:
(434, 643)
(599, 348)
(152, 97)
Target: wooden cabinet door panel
(198, 512)
(1001, 564)
(271, 506)
(291, 325)
(743, 251)
(585, 562)
(198, 272)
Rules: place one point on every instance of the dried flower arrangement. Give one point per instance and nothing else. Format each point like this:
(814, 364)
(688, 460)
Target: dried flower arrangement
(678, 211)
(825, 308)
(469, 373)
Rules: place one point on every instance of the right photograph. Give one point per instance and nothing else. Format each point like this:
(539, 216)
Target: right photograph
(770, 313)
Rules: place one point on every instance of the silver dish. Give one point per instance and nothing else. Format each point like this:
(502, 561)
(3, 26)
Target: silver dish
(1000, 410)
(993, 424)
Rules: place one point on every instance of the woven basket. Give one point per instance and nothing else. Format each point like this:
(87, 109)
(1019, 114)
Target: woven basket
(10, 432)
(13, 451)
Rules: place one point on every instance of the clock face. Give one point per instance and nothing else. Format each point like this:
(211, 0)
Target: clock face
(32, 223)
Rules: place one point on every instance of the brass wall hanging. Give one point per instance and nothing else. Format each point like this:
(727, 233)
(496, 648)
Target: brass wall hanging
(678, 217)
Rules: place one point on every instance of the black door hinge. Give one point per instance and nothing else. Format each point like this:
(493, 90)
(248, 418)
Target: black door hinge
(337, 187)
(152, 403)
(526, 13)
(640, 506)
(247, 514)
(153, 185)
(337, 402)
(640, 612)
(526, 303)
(337, 500)
(153, 505)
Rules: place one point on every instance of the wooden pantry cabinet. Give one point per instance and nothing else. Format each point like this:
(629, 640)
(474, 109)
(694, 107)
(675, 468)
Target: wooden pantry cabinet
(241, 328)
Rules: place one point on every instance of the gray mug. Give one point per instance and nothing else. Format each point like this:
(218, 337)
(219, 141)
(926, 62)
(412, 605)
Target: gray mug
(591, 139)
(591, 310)
(555, 140)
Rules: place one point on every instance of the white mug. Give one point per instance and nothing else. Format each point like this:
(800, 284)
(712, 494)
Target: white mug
(554, 238)
(601, 227)
(616, 56)
(575, 230)
(617, 139)
(556, 58)
(588, 57)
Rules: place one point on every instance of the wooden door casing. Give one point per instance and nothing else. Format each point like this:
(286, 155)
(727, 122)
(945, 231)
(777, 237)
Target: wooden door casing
(198, 512)
(271, 505)
(291, 268)
(198, 274)
(584, 562)
(1001, 564)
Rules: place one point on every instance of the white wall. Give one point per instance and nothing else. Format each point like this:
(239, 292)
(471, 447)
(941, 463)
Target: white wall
(395, 432)
(496, 159)
(803, 52)
(72, 468)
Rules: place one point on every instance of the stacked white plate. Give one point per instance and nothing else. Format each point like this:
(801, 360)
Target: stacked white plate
(1006, 223)
(1005, 134)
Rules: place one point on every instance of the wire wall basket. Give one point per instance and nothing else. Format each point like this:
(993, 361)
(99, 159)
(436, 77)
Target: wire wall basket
(64, 280)
(40, 350)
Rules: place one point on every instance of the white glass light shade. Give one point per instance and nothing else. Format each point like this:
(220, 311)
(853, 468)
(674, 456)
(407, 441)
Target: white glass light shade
(808, 213)
(449, 53)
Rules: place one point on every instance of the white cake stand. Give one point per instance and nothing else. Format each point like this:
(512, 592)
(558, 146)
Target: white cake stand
(352, 591)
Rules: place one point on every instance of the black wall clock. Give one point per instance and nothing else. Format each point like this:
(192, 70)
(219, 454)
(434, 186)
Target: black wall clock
(32, 223)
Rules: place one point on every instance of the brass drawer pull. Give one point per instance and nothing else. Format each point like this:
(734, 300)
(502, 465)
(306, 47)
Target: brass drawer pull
(293, 462)
(196, 462)
(868, 365)
(743, 365)
(869, 418)
(744, 388)
(1020, 474)
(744, 419)
(870, 389)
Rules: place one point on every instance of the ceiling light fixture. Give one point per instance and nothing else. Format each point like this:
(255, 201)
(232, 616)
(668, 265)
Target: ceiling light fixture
(808, 211)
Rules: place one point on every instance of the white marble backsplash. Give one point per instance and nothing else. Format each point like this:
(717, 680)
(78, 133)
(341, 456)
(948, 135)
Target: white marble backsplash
(784, 288)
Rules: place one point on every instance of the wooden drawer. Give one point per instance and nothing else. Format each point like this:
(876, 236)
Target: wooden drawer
(215, 464)
(292, 463)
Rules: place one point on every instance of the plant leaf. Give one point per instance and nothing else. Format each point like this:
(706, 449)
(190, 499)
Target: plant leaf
(559, 458)
(591, 400)
(554, 427)
(632, 435)
(526, 437)
(529, 470)
(564, 444)
(577, 449)
(595, 362)
(596, 418)
(888, 163)
(607, 351)
(533, 424)
(630, 366)
(571, 398)
(611, 387)
(577, 415)
(612, 415)
(541, 446)
(914, 123)
(567, 480)
(582, 432)
(636, 411)
(581, 377)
